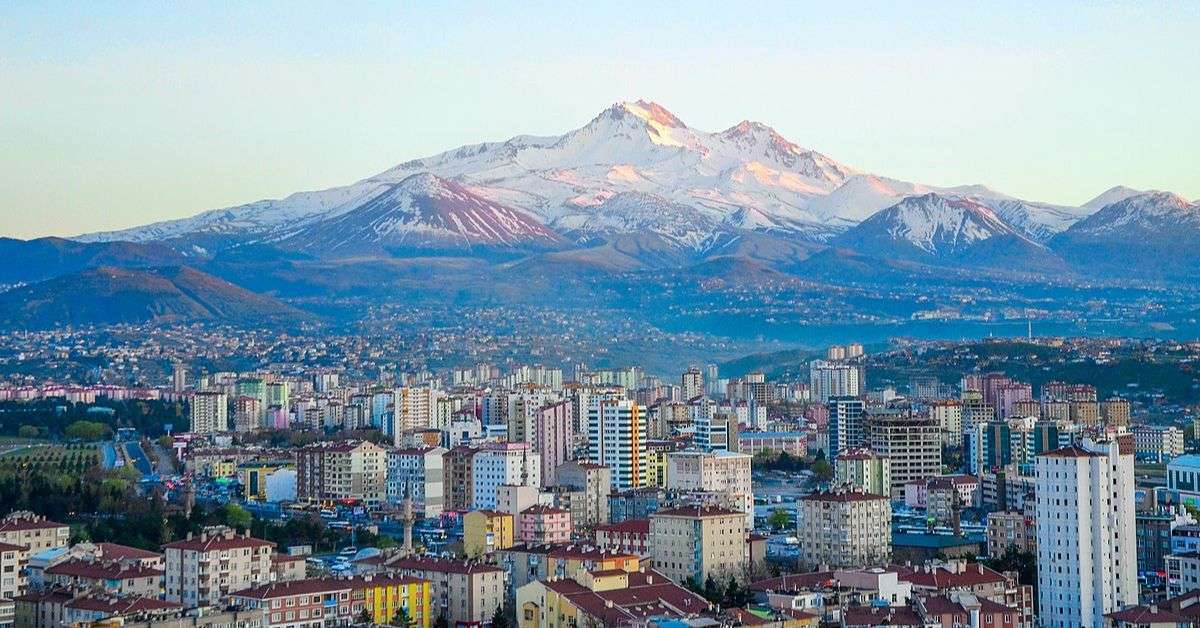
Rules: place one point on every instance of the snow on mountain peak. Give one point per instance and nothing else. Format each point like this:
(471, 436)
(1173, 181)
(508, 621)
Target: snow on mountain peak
(934, 224)
(1112, 195)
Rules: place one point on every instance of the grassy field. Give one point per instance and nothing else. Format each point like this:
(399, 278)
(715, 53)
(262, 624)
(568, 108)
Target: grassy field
(34, 457)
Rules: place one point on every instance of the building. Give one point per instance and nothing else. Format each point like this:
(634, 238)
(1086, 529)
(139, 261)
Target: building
(485, 531)
(834, 379)
(865, 469)
(847, 425)
(323, 601)
(963, 577)
(464, 592)
(593, 482)
(348, 470)
(723, 474)
(1085, 532)
(34, 532)
(202, 569)
(617, 436)
(631, 537)
(111, 576)
(607, 598)
(544, 524)
(458, 466)
(695, 542)
(209, 412)
(912, 444)
(791, 443)
(503, 464)
(844, 527)
(553, 437)
(412, 408)
(417, 474)
(1183, 572)
(12, 570)
(636, 503)
(947, 413)
(1010, 528)
(270, 482)
(1157, 443)
(692, 383)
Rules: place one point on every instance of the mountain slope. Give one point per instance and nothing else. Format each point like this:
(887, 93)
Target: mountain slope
(108, 295)
(1148, 234)
(43, 258)
(423, 212)
(924, 228)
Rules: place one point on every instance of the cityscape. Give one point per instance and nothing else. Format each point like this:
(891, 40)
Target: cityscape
(505, 342)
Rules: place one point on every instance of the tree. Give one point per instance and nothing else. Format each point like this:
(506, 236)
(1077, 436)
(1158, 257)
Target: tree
(822, 469)
(402, 619)
(1024, 563)
(779, 518)
(442, 622)
(236, 516)
(499, 619)
(28, 431)
(88, 431)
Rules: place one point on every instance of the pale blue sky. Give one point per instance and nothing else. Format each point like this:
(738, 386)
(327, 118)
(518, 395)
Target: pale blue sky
(122, 114)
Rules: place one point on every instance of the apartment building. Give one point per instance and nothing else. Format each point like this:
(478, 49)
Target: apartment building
(1086, 553)
(485, 531)
(912, 444)
(458, 467)
(465, 592)
(594, 482)
(418, 474)
(209, 412)
(348, 470)
(695, 542)
(865, 469)
(617, 435)
(723, 473)
(202, 569)
(503, 464)
(844, 527)
(34, 532)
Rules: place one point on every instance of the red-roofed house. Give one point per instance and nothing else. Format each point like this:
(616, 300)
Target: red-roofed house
(606, 598)
(202, 569)
(631, 536)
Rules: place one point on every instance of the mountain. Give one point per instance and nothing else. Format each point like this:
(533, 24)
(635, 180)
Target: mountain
(1108, 197)
(926, 228)
(1038, 221)
(423, 212)
(43, 258)
(1148, 234)
(108, 295)
(630, 147)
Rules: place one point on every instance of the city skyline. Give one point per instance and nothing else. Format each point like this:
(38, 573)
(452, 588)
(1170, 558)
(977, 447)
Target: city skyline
(158, 115)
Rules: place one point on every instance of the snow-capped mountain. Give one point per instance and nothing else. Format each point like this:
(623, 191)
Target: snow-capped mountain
(1151, 234)
(1108, 197)
(1144, 215)
(928, 227)
(423, 211)
(634, 167)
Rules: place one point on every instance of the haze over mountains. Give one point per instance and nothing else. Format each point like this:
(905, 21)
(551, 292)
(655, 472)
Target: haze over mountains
(637, 189)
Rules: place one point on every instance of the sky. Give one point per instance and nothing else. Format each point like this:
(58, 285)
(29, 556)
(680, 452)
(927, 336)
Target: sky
(118, 114)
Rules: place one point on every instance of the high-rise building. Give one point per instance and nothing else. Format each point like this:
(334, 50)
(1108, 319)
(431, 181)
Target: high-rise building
(724, 475)
(948, 415)
(1086, 536)
(417, 474)
(553, 437)
(694, 542)
(458, 466)
(847, 425)
(692, 383)
(178, 377)
(844, 527)
(209, 412)
(617, 439)
(501, 464)
(346, 470)
(865, 469)
(594, 481)
(913, 444)
(717, 431)
(412, 409)
(834, 379)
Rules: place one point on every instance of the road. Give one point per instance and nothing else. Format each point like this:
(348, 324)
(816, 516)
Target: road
(138, 458)
(164, 460)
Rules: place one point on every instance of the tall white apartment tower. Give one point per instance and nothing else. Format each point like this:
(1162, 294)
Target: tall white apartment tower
(834, 379)
(1087, 553)
(617, 440)
(209, 412)
(692, 383)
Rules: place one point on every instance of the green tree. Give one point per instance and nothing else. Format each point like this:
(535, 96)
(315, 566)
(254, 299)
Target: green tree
(88, 431)
(822, 469)
(779, 519)
(28, 431)
(402, 619)
(499, 619)
(236, 516)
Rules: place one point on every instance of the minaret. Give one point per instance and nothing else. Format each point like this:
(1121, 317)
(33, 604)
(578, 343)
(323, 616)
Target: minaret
(408, 521)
